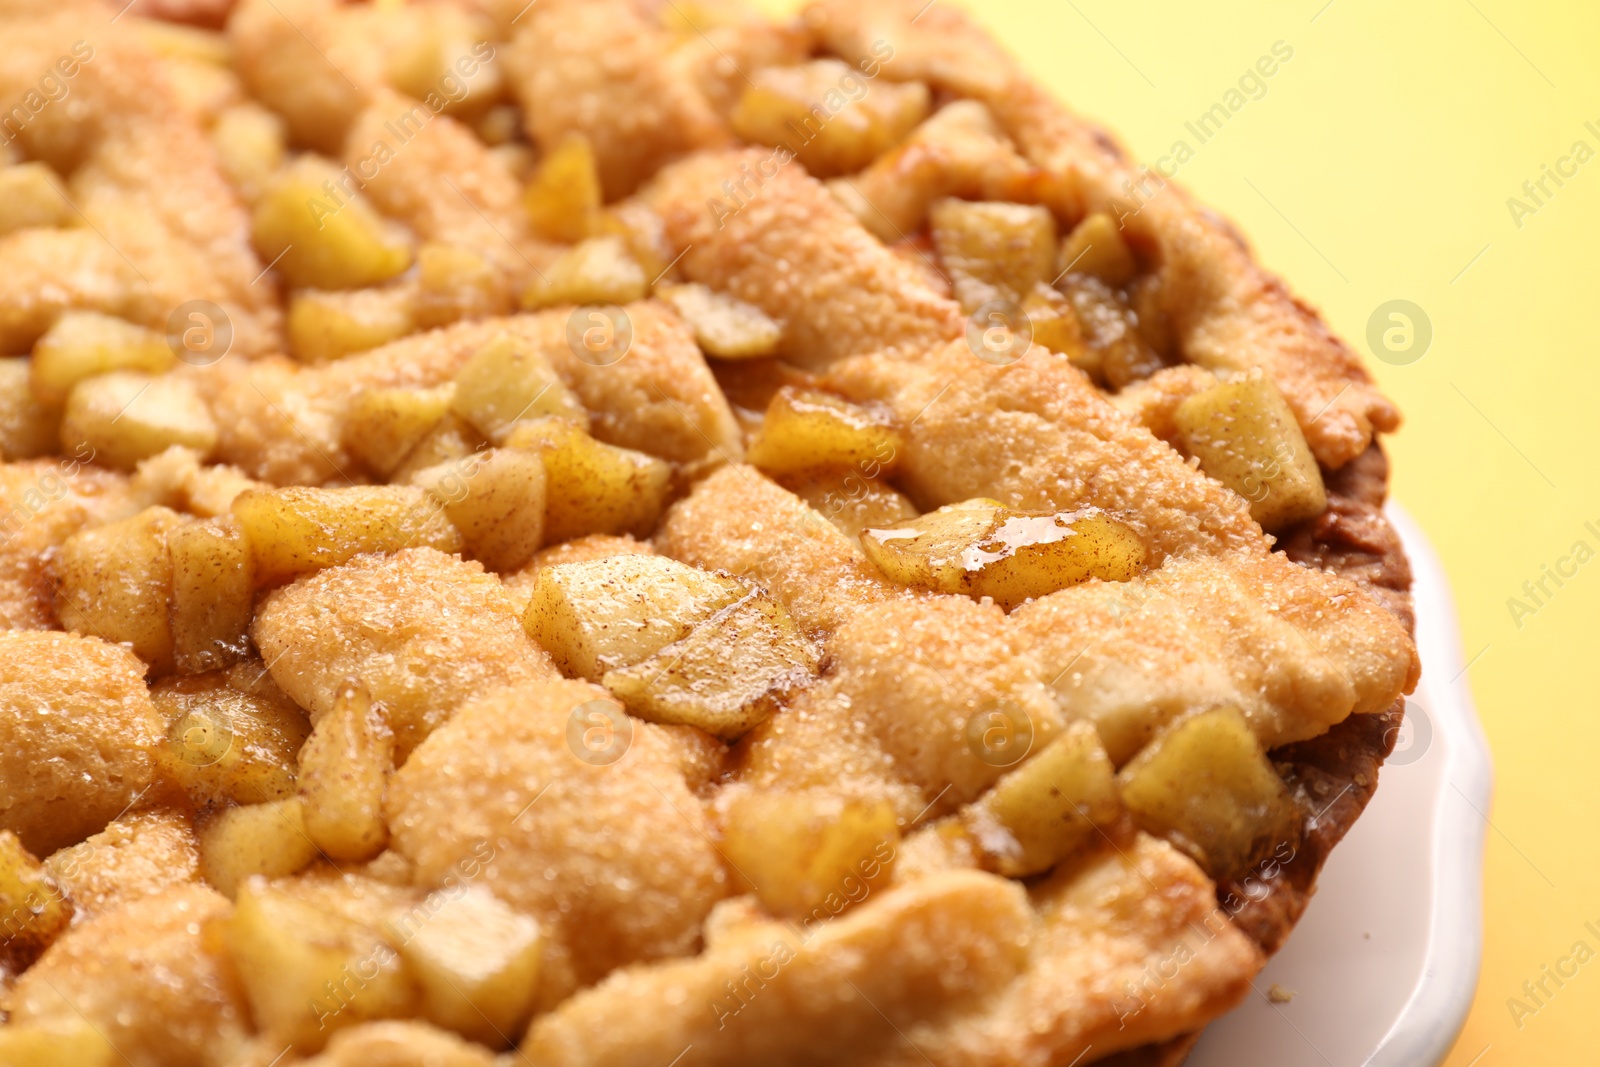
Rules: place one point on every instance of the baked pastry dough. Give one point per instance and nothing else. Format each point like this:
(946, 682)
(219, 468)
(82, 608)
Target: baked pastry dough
(642, 533)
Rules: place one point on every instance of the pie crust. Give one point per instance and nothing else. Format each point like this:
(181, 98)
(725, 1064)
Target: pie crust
(520, 523)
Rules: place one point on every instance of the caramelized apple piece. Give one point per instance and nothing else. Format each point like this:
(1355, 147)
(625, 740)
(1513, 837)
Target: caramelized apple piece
(1246, 437)
(993, 250)
(33, 910)
(213, 594)
(384, 425)
(327, 325)
(28, 426)
(30, 195)
(223, 745)
(496, 499)
(727, 676)
(981, 549)
(300, 529)
(850, 499)
(251, 143)
(454, 284)
(452, 439)
(1047, 808)
(1205, 784)
(601, 614)
(809, 855)
(1095, 247)
(476, 961)
(592, 487)
(322, 233)
(127, 416)
(344, 767)
(600, 270)
(809, 428)
(825, 113)
(116, 583)
(308, 970)
(257, 839)
(563, 197)
(1118, 352)
(723, 327)
(508, 380)
(83, 344)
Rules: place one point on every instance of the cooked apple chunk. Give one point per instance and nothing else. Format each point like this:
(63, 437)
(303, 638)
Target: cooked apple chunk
(31, 196)
(723, 327)
(250, 142)
(1246, 437)
(257, 839)
(1205, 783)
(116, 583)
(1095, 246)
(601, 614)
(592, 487)
(1117, 351)
(823, 112)
(645, 234)
(323, 234)
(83, 344)
(455, 283)
(1047, 808)
(344, 767)
(727, 676)
(850, 499)
(326, 325)
(984, 550)
(476, 961)
(309, 969)
(1055, 326)
(28, 426)
(452, 440)
(33, 909)
(128, 416)
(298, 529)
(496, 500)
(507, 381)
(213, 594)
(809, 854)
(226, 746)
(384, 425)
(993, 251)
(806, 428)
(563, 197)
(600, 270)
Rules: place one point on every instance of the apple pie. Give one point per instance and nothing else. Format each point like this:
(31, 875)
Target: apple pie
(617, 533)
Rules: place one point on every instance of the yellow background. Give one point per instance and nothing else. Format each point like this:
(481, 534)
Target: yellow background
(1377, 167)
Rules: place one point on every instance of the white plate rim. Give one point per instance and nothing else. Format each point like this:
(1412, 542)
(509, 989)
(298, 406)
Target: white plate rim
(1432, 1018)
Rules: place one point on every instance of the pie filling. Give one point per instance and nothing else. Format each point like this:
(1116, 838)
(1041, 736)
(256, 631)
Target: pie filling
(613, 533)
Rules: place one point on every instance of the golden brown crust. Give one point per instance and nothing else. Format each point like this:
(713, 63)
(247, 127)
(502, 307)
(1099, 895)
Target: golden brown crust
(635, 106)
(422, 631)
(142, 975)
(138, 855)
(614, 859)
(1226, 311)
(622, 863)
(282, 422)
(77, 733)
(755, 225)
(146, 183)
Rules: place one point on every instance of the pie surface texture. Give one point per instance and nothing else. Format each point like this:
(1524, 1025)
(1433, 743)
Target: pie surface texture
(614, 533)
